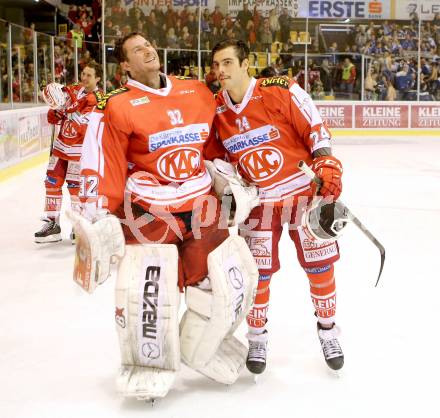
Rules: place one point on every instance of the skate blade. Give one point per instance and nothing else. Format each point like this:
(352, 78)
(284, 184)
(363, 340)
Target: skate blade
(256, 378)
(47, 240)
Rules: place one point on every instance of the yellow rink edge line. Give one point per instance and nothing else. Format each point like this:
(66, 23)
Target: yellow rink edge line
(21, 167)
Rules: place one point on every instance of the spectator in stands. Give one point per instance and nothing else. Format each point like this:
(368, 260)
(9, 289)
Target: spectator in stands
(433, 81)
(387, 28)
(243, 16)
(381, 88)
(257, 18)
(240, 32)
(371, 31)
(333, 47)
(192, 24)
(274, 23)
(184, 15)
(192, 74)
(216, 17)
(396, 47)
(187, 40)
(370, 84)
(171, 39)
(28, 34)
(284, 25)
(135, 14)
(403, 82)
(160, 16)
(265, 36)
(348, 76)
(170, 17)
(153, 26)
(118, 13)
(318, 91)
(77, 36)
(325, 76)
(391, 91)
(252, 36)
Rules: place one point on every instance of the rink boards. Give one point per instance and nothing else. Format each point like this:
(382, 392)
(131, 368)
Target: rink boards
(25, 133)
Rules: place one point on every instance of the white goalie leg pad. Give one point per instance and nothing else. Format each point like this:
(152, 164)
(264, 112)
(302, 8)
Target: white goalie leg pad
(206, 329)
(98, 244)
(147, 304)
(227, 181)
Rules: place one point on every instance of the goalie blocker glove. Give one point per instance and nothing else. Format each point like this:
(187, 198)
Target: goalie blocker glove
(98, 245)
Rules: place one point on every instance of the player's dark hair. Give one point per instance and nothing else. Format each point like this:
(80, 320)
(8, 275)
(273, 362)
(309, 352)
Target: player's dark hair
(240, 48)
(95, 66)
(119, 52)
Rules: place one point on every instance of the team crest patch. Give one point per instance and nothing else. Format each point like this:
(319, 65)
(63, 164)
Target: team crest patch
(282, 82)
(140, 101)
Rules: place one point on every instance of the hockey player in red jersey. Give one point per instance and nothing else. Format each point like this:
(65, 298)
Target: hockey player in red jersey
(266, 127)
(69, 108)
(142, 167)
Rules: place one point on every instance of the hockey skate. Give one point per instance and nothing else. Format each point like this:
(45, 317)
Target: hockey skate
(331, 349)
(256, 358)
(50, 232)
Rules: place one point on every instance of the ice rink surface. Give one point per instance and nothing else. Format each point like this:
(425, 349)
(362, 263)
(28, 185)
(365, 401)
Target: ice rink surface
(59, 352)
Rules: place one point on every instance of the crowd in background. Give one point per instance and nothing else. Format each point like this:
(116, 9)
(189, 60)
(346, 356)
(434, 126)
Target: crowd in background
(334, 67)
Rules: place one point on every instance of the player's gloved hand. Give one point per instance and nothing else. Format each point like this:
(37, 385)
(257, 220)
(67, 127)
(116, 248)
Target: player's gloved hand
(54, 116)
(329, 170)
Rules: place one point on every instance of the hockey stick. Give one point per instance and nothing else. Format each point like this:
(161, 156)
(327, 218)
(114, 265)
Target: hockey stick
(52, 139)
(311, 174)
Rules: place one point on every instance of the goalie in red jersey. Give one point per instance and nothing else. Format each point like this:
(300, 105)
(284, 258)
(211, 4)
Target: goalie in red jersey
(143, 167)
(266, 127)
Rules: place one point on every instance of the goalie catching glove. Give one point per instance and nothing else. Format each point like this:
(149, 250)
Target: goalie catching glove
(98, 245)
(329, 170)
(226, 181)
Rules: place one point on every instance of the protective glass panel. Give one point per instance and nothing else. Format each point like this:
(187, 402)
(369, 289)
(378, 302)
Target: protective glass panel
(22, 65)
(4, 78)
(44, 62)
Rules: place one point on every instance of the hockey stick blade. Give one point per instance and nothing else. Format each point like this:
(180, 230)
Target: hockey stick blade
(372, 238)
(311, 174)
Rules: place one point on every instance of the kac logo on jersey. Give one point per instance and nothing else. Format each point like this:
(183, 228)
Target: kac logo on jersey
(261, 164)
(179, 164)
(69, 130)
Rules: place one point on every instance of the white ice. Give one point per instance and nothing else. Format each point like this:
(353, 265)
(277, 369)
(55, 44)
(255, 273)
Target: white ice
(58, 346)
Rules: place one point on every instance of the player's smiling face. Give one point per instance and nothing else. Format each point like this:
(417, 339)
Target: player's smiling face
(141, 57)
(227, 68)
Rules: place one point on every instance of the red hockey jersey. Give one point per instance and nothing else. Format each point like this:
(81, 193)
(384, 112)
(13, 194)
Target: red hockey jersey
(267, 134)
(148, 143)
(73, 124)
